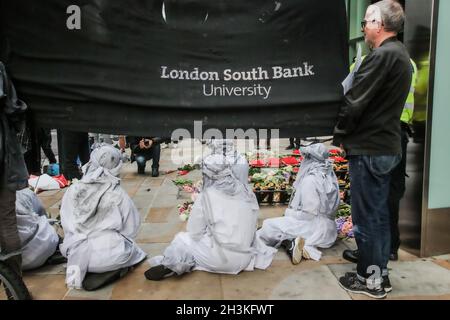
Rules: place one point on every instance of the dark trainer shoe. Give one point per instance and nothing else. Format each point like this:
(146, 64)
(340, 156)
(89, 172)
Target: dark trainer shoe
(155, 172)
(158, 273)
(386, 284)
(393, 256)
(351, 283)
(350, 255)
(294, 249)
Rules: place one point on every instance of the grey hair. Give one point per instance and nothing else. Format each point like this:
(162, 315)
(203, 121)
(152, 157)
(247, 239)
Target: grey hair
(392, 15)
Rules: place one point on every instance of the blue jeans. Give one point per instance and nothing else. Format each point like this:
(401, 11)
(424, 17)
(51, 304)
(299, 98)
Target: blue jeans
(370, 177)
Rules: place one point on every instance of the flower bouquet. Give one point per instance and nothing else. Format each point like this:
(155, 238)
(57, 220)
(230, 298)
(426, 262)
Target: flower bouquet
(186, 169)
(184, 210)
(344, 223)
(344, 227)
(183, 183)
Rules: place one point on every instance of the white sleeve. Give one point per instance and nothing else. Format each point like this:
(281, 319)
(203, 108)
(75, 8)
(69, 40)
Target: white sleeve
(310, 199)
(130, 216)
(196, 226)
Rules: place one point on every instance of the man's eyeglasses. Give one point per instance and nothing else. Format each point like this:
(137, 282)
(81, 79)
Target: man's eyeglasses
(365, 22)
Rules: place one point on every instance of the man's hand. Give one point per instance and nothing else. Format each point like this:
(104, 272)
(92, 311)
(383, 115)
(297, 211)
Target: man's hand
(145, 144)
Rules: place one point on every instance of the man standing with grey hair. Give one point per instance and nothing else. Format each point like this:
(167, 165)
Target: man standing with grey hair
(369, 131)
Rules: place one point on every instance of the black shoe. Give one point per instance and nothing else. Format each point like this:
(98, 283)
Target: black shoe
(351, 283)
(290, 147)
(94, 281)
(386, 284)
(155, 172)
(393, 256)
(350, 255)
(141, 171)
(56, 258)
(158, 273)
(294, 249)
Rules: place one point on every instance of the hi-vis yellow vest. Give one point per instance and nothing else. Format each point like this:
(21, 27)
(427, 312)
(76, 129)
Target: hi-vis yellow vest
(408, 109)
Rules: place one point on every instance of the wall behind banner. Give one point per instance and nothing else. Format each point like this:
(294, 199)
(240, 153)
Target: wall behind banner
(436, 203)
(439, 191)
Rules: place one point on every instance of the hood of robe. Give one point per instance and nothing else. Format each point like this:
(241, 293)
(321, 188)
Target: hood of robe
(101, 174)
(316, 163)
(218, 174)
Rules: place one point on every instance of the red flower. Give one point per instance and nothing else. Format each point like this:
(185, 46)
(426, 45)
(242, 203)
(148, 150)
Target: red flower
(274, 162)
(257, 163)
(289, 161)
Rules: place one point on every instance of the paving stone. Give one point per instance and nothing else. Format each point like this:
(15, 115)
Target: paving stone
(56, 205)
(147, 192)
(164, 200)
(281, 255)
(170, 189)
(49, 193)
(158, 232)
(142, 203)
(160, 215)
(46, 287)
(193, 286)
(49, 202)
(282, 280)
(48, 270)
(104, 293)
(443, 257)
(267, 212)
(153, 249)
(443, 263)
(153, 182)
(406, 256)
(336, 250)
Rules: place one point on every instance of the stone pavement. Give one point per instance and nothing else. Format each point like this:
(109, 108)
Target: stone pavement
(157, 200)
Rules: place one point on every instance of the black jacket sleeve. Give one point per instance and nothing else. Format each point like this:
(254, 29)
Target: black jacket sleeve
(134, 143)
(13, 172)
(368, 80)
(11, 105)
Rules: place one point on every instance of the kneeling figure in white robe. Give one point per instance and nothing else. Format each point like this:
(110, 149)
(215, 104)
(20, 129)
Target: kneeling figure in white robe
(100, 222)
(309, 221)
(220, 235)
(39, 239)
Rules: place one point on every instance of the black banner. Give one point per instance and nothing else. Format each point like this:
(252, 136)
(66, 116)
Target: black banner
(151, 66)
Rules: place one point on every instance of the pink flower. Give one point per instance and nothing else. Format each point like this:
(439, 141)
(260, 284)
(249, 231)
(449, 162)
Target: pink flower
(347, 227)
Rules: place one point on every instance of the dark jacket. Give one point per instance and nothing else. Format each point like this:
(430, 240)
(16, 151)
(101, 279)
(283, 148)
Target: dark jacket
(13, 172)
(368, 121)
